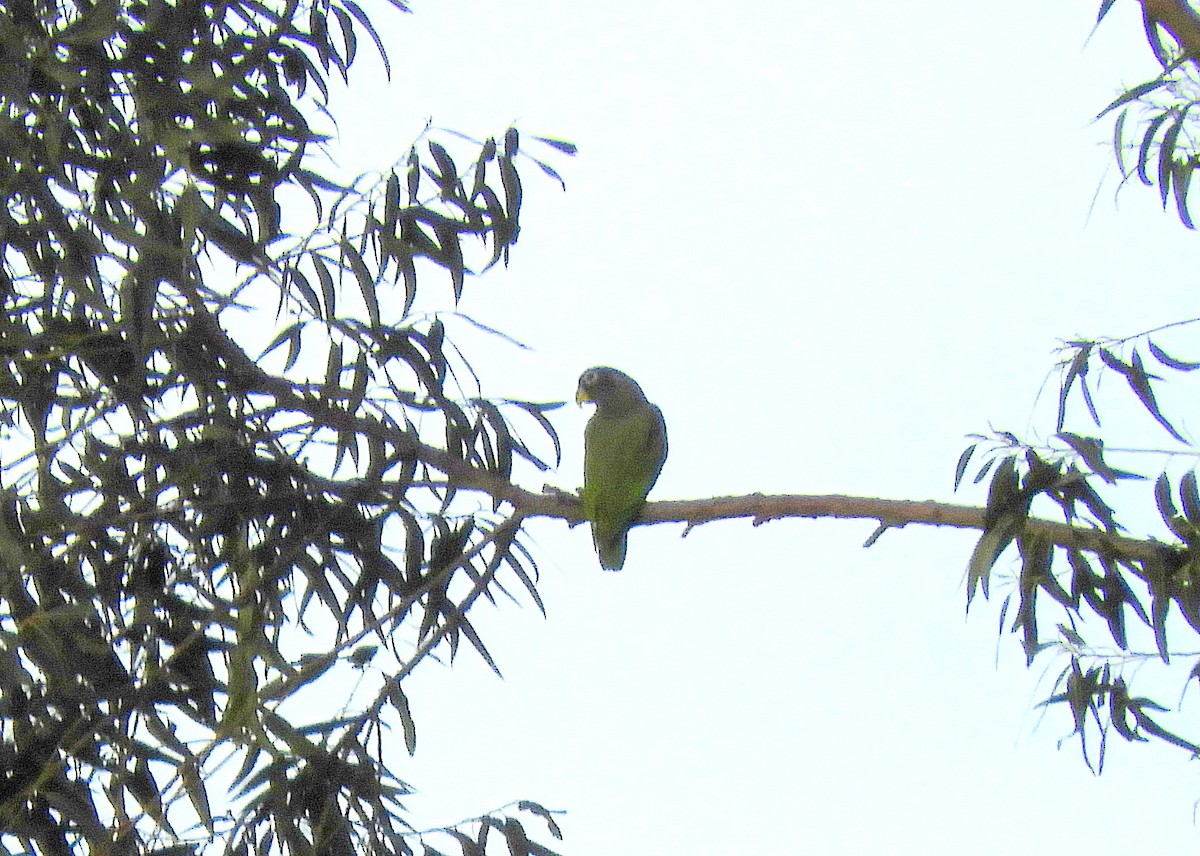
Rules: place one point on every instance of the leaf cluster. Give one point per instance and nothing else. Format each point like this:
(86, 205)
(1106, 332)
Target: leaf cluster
(1105, 581)
(204, 527)
(1159, 147)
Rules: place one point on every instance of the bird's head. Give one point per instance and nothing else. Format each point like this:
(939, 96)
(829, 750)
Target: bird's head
(605, 387)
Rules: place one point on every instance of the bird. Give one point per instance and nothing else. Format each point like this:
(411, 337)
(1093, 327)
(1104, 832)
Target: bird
(624, 449)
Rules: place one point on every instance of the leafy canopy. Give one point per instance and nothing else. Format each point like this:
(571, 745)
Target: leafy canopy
(199, 524)
(1142, 594)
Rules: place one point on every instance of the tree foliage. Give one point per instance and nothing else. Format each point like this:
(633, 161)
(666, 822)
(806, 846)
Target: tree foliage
(209, 514)
(1144, 595)
(199, 525)
(1159, 145)
(1105, 582)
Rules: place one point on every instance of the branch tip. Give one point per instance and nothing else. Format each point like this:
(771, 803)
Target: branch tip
(879, 530)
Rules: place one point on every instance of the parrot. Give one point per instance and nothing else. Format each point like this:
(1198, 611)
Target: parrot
(624, 449)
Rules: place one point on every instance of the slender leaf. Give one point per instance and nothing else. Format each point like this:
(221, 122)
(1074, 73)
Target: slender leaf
(1133, 94)
(1091, 449)
(361, 17)
(400, 702)
(1166, 156)
(1139, 381)
(1077, 369)
(514, 836)
(1119, 138)
(561, 145)
(1148, 139)
(1181, 180)
(1170, 361)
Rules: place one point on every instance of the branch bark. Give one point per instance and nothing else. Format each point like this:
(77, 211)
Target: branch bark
(1178, 19)
(759, 508)
(762, 508)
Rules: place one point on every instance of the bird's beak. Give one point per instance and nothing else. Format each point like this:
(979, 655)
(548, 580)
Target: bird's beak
(581, 396)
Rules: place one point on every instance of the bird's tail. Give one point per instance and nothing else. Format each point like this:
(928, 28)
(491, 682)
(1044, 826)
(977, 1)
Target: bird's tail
(611, 549)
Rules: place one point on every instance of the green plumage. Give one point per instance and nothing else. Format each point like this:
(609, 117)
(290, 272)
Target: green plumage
(624, 448)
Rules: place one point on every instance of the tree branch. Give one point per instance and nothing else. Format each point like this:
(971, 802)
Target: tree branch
(761, 508)
(1178, 19)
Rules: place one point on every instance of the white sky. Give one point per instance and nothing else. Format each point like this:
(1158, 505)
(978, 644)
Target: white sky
(830, 240)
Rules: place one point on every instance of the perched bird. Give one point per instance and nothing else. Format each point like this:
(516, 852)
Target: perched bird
(624, 447)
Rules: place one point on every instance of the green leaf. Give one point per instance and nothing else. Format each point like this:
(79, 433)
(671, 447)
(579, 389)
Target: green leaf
(561, 145)
(452, 255)
(1139, 381)
(1181, 180)
(448, 172)
(332, 388)
(317, 180)
(232, 241)
(1190, 497)
(1087, 400)
(1113, 361)
(543, 813)
(503, 229)
(1004, 492)
(1159, 609)
(1036, 555)
(366, 283)
(291, 335)
(326, 280)
(550, 171)
(1147, 142)
(361, 17)
(296, 277)
(140, 782)
(983, 471)
(468, 845)
(358, 383)
(1076, 370)
(414, 175)
(991, 543)
(399, 701)
(486, 823)
(512, 189)
(473, 637)
(349, 39)
(514, 837)
(1166, 505)
(1148, 724)
(504, 441)
(1071, 636)
(1091, 449)
(1084, 579)
(1133, 94)
(1119, 141)
(1170, 361)
(1116, 595)
(391, 203)
(1166, 156)
(310, 669)
(537, 411)
(193, 786)
(1040, 475)
(536, 849)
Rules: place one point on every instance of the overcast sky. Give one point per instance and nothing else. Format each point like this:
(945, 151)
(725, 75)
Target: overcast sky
(830, 240)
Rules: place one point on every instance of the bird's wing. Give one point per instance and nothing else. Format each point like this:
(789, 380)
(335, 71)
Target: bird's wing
(622, 459)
